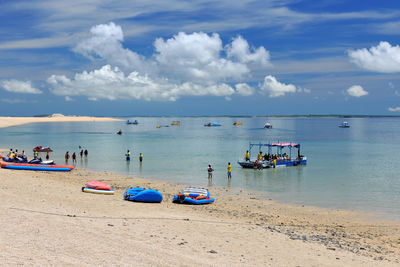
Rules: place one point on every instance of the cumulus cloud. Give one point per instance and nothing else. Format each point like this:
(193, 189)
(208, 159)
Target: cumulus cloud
(244, 89)
(16, 86)
(239, 49)
(105, 43)
(275, 88)
(394, 109)
(382, 58)
(356, 91)
(111, 83)
(195, 64)
(196, 57)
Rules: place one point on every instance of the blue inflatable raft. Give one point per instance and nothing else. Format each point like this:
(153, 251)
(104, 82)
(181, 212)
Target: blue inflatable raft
(139, 194)
(193, 195)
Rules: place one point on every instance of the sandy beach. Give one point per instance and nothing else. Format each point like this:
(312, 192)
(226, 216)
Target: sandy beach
(47, 220)
(15, 121)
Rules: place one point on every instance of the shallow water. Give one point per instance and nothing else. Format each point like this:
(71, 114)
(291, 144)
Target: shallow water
(355, 168)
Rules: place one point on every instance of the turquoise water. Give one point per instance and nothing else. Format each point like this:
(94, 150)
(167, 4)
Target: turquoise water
(356, 168)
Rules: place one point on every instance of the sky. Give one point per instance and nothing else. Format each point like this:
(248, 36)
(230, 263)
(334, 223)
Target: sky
(194, 58)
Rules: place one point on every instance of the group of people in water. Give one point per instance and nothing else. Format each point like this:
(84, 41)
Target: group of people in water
(128, 156)
(81, 153)
(229, 171)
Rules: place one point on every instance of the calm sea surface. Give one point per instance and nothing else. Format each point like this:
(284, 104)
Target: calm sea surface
(356, 168)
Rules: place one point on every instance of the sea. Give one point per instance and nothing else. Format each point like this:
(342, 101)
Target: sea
(354, 168)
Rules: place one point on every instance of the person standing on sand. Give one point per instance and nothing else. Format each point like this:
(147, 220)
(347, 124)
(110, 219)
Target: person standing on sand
(66, 156)
(86, 152)
(210, 171)
(81, 153)
(74, 157)
(229, 168)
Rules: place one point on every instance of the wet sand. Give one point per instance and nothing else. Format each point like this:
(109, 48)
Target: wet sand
(47, 220)
(15, 121)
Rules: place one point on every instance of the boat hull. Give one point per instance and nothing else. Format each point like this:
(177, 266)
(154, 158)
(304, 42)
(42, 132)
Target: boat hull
(270, 164)
(250, 164)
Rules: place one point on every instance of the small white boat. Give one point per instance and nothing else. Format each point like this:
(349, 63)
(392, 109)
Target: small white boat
(344, 124)
(268, 125)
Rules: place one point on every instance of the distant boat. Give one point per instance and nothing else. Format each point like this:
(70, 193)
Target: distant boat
(268, 125)
(42, 149)
(344, 124)
(237, 123)
(211, 124)
(176, 123)
(132, 122)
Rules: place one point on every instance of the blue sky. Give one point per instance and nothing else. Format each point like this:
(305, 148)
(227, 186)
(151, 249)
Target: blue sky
(113, 58)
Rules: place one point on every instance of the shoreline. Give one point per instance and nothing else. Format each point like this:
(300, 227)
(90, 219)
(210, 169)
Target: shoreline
(16, 121)
(242, 227)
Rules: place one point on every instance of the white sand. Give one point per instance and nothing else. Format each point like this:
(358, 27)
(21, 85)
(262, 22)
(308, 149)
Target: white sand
(47, 220)
(15, 121)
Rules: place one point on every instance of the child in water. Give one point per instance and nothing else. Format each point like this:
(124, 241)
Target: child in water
(210, 170)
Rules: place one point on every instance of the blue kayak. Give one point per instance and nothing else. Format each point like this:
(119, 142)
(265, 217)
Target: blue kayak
(139, 194)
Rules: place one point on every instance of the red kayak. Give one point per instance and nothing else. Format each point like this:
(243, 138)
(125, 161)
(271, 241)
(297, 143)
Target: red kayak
(42, 149)
(98, 185)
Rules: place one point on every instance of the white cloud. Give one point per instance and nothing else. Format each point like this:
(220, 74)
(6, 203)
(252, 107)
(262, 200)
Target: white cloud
(195, 64)
(382, 58)
(244, 89)
(68, 99)
(239, 49)
(16, 86)
(394, 109)
(275, 88)
(194, 57)
(356, 91)
(111, 83)
(12, 101)
(105, 43)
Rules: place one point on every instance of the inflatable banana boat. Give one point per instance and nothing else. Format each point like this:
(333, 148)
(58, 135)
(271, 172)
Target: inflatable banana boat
(36, 167)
